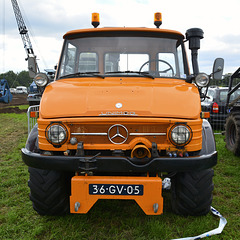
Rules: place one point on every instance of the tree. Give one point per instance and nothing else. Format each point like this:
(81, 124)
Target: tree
(24, 79)
(221, 83)
(17, 79)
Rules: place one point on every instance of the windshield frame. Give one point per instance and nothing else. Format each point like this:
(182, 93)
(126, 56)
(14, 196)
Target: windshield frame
(142, 34)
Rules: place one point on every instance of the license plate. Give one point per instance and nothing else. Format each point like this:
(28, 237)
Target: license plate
(115, 189)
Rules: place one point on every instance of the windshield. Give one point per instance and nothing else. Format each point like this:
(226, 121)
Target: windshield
(124, 56)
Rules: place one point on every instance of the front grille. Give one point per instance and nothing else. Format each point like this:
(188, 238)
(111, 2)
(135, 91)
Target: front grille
(92, 134)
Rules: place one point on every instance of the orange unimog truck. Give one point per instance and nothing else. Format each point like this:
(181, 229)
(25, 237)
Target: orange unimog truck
(122, 114)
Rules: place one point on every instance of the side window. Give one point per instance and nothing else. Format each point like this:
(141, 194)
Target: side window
(88, 62)
(210, 95)
(223, 96)
(68, 66)
(235, 95)
(166, 64)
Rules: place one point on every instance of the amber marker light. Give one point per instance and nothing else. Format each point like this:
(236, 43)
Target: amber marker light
(205, 115)
(158, 19)
(34, 114)
(95, 19)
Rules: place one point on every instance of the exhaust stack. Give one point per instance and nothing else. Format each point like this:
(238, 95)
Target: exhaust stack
(194, 35)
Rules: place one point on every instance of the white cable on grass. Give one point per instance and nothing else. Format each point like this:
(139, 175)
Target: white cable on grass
(166, 185)
(215, 231)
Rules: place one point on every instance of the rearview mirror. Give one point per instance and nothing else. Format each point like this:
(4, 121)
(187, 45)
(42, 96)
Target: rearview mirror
(32, 67)
(218, 68)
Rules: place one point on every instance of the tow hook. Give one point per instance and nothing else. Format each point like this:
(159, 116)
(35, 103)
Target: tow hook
(77, 206)
(155, 207)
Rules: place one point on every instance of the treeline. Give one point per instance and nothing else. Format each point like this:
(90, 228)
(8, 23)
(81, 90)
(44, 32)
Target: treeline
(17, 79)
(22, 79)
(224, 82)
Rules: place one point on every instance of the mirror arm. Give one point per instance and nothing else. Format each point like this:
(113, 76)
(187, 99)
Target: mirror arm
(190, 78)
(219, 69)
(203, 96)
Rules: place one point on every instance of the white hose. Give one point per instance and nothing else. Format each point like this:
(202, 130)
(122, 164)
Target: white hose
(166, 184)
(215, 231)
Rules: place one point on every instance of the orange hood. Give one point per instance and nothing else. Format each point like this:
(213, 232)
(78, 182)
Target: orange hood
(143, 97)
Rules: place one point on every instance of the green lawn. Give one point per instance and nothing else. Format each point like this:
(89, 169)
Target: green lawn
(108, 219)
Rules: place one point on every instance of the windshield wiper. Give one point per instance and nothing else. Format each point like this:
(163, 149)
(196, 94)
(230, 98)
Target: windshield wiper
(95, 74)
(145, 74)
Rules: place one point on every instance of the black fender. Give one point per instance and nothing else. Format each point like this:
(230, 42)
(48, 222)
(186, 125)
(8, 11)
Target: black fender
(32, 140)
(208, 140)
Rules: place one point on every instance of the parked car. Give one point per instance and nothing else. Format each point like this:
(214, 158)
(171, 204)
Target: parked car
(215, 103)
(34, 95)
(13, 90)
(21, 90)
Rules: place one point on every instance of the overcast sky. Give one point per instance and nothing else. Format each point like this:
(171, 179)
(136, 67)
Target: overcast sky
(48, 20)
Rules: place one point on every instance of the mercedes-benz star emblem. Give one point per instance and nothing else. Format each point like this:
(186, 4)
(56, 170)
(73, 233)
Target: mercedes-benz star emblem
(117, 134)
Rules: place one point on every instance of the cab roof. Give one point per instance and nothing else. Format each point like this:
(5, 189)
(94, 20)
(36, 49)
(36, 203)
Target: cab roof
(121, 31)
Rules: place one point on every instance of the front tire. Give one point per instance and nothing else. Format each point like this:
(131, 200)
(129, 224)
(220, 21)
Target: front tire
(49, 191)
(192, 192)
(232, 133)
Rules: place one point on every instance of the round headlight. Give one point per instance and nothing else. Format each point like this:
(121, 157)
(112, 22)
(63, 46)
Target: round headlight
(202, 80)
(41, 79)
(56, 134)
(180, 135)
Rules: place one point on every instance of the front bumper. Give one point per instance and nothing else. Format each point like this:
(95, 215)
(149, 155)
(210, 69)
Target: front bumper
(118, 164)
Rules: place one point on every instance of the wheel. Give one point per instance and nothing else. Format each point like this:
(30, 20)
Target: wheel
(158, 72)
(49, 191)
(232, 133)
(192, 192)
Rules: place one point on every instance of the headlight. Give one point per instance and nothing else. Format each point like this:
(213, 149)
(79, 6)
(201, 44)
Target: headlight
(180, 135)
(41, 79)
(202, 80)
(56, 134)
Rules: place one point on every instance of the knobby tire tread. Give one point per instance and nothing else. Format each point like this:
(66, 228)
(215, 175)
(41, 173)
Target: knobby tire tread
(49, 191)
(233, 143)
(192, 192)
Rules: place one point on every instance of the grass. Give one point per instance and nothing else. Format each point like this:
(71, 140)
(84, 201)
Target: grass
(108, 219)
(21, 107)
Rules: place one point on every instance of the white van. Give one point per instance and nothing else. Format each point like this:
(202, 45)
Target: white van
(21, 89)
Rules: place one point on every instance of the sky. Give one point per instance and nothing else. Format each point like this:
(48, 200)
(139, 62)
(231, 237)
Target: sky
(48, 20)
